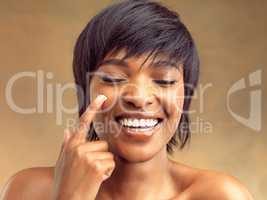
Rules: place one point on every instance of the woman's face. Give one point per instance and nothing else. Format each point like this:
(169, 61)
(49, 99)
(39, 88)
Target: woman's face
(144, 104)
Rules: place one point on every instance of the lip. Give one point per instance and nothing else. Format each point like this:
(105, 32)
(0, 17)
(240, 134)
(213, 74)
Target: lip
(139, 135)
(136, 135)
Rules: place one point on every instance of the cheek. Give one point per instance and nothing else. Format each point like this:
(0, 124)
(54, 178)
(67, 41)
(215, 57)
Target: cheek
(173, 101)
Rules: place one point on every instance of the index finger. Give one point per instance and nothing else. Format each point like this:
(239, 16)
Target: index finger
(89, 114)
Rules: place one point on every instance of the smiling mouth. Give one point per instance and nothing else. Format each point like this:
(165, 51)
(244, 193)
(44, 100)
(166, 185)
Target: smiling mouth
(139, 128)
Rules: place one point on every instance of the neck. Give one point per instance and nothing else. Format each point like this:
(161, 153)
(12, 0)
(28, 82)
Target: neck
(147, 179)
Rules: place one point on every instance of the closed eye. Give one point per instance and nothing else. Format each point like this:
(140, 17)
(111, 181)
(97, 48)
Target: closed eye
(165, 82)
(111, 80)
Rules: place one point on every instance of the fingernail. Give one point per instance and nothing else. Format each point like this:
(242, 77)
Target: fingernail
(101, 98)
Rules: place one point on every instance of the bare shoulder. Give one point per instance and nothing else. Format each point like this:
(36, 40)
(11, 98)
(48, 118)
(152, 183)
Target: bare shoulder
(199, 184)
(216, 185)
(31, 183)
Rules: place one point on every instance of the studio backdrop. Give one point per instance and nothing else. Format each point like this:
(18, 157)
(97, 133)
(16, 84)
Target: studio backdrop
(228, 113)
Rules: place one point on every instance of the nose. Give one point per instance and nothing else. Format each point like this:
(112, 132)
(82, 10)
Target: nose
(137, 96)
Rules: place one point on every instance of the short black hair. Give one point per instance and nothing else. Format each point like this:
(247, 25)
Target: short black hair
(139, 27)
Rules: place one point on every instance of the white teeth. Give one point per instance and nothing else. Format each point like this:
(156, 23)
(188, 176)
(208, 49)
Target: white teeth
(138, 122)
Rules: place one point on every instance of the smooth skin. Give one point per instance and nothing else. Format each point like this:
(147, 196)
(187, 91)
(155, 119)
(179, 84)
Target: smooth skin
(119, 169)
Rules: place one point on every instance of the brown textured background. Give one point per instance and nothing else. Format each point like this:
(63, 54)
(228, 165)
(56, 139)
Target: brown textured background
(231, 38)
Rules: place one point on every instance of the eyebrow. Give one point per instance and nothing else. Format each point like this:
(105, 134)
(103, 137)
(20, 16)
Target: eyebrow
(122, 63)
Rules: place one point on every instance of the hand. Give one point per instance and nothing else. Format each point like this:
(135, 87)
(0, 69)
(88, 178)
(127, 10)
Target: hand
(82, 166)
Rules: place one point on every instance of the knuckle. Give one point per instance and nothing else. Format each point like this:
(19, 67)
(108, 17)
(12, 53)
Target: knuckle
(110, 155)
(112, 163)
(96, 165)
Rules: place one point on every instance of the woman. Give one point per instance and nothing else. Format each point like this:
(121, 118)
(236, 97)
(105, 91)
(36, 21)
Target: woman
(136, 68)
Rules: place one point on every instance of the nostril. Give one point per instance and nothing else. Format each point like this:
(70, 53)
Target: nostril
(132, 104)
(137, 102)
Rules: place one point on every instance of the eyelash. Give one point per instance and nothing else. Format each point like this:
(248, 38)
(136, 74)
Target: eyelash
(161, 82)
(111, 80)
(164, 82)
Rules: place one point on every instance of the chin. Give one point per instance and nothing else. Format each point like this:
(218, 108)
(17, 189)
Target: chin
(133, 157)
(135, 153)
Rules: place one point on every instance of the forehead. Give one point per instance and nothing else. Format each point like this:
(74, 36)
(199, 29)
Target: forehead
(144, 60)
